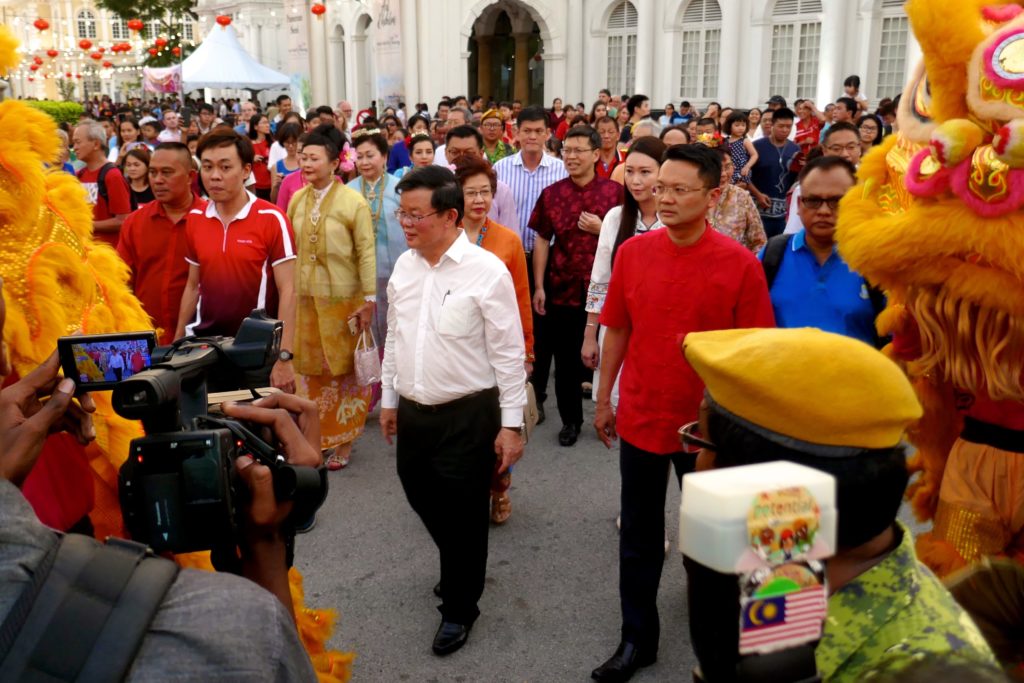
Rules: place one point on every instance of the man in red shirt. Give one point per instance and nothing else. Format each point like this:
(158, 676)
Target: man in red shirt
(664, 285)
(153, 242)
(241, 255)
(571, 211)
(111, 202)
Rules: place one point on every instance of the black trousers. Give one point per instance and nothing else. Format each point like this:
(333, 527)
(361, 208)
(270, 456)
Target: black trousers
(642, 539)
(445, 460)
(565, 326)
(541, 346)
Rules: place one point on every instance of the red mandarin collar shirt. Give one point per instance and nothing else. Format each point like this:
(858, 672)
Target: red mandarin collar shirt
(661, 292)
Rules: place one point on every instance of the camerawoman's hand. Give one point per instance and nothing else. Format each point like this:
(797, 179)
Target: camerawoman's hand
(39, 404)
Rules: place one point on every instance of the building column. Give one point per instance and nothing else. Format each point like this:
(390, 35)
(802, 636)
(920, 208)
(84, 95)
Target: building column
(643, 79)
(830, 51)
(335, 48)
(574, 58)
(318, 59)
(521, 73)
(410, 65)
(484, 46)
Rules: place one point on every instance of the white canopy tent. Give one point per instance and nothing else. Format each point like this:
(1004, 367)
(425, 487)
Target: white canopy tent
(220, 61)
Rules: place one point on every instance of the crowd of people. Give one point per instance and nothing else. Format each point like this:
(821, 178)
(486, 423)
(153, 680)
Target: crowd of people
(474, 246)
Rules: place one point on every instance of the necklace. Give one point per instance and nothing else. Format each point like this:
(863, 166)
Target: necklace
(314, 213)
(370, 194)
(480, 237)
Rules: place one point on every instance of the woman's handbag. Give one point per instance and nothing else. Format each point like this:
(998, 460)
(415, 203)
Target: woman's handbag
(367, 360)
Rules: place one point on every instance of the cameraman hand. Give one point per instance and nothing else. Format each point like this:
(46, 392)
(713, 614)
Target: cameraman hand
(27, 417)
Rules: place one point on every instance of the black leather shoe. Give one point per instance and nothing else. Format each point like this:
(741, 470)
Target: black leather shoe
(540, 414)
(449, 638)
(623, 664)
(568, 435)
(437, 589)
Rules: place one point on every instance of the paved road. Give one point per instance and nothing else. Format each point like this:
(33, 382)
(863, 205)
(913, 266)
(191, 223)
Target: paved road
(550, 611)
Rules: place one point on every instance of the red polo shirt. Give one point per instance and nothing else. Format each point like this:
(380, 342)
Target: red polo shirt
(661, 292)
(118, 201)
(155, 248)
(236, 263)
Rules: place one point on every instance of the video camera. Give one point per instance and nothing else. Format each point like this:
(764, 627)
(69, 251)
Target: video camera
(179, 490)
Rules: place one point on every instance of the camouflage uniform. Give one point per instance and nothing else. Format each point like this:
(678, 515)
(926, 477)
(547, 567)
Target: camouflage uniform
(892, 615)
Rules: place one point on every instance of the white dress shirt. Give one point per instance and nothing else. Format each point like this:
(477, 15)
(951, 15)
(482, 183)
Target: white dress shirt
(454, 330)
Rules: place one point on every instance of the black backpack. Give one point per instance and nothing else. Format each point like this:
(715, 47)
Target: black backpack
(101, 181)
(772, 259)
(84, 614)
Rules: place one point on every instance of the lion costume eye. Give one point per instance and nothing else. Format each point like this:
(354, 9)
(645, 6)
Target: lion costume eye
(921, 101)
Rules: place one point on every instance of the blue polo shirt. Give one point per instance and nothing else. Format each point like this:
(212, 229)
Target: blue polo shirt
(828, 296)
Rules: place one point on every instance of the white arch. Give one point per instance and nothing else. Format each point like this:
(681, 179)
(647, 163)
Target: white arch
(538, 10)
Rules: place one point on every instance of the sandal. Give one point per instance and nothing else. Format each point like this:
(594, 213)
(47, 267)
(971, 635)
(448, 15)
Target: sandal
(335, 460)
(501, 507)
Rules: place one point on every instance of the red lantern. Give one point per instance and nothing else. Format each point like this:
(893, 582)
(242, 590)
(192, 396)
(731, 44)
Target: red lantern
(67, 74)
(34, 67)
(161, 43)
(135, 24)
(176, 51)
(96, 55)
(102, 50)
(41, 24)
(52, 53)
(153, 52)
(224, 20)
(37, 60)
(30, 79)
(107, 65)
(78, 75)
(85, 43)
(318, 9)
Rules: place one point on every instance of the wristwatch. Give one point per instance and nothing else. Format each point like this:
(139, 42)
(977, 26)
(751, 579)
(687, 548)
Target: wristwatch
(520, 430)
(285, 355)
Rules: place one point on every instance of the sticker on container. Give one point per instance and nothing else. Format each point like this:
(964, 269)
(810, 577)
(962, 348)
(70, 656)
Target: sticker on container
(782, 607)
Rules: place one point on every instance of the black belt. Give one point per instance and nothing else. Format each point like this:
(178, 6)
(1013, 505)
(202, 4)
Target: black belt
(988, 434)
(451, 405)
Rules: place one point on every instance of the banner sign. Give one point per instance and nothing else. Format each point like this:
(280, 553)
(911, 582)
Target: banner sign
(297, 19)
(162, 80)
(388, 53)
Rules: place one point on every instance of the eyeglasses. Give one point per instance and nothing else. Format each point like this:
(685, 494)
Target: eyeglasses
(576, 151)
(838, 149)
(476, 194)
(412, 219)
(678, 191)
(691, 442)
(815, 203)
(491, 124)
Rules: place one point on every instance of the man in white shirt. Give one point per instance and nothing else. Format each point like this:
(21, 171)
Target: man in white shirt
(454, 386)
(171, 131)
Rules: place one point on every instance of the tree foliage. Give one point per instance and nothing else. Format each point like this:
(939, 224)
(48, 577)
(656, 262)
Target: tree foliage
(169, 14)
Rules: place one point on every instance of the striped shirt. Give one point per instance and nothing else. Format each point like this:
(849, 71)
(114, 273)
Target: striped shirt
(526, 187)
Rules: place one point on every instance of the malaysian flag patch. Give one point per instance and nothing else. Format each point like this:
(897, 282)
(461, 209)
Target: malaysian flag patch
(775, 622)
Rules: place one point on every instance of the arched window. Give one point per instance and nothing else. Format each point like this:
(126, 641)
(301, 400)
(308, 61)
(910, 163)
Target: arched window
(892, 50)
(188, 31)
(86, 24)
(119, 29)
(701, 48)
(622, 48)
(796, 39)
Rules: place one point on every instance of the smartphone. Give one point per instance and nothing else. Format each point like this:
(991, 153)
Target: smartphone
(98, 362)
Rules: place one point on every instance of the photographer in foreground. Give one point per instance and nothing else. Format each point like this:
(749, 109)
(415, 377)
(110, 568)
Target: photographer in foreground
(245, 634)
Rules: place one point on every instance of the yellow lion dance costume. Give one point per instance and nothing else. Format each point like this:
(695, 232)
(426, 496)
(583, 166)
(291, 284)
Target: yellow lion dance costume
(937, 220)
(58, 280)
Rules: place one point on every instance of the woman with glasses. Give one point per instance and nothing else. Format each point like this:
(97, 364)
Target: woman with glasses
(479, 183)
(335, 287)
(378, 189)
(871, 132)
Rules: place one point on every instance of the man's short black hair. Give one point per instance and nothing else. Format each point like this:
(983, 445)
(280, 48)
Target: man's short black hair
(282, 98)
(531, 114)
(179, 147)
(587, 133)
(206, 106)
(783, 114)
(634, 102)
(445, 191)
(869, 483)
(227, 137)
(707, 122)
(324, 109)
(462, 132)
(827, 164)
(707, 161)
(838, 128)
(849, 103)
(605, 91)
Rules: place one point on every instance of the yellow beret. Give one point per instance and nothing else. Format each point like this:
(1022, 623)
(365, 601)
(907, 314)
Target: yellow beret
(492, 114)
(814, 386)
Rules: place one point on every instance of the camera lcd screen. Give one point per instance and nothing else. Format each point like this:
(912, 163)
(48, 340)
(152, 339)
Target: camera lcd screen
(99, 362)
